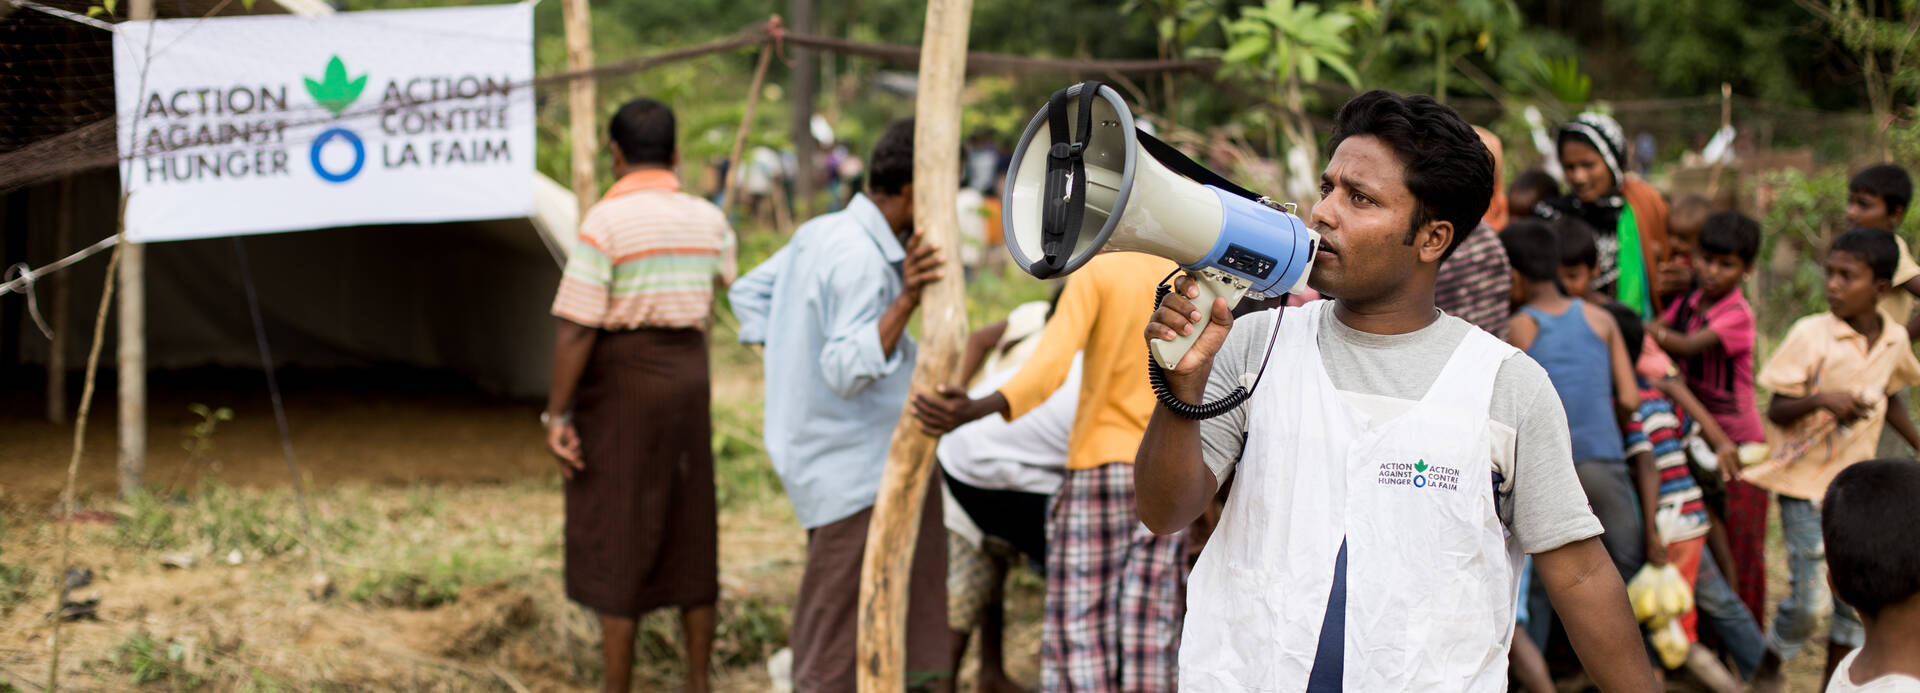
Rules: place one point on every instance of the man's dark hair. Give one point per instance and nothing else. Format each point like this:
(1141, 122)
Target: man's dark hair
(890, 168)
(1448, 169)
(1533, 250)
(1579, 245)
(1887, 181)
(1867, 519)
(1632, 330)
(1537, 181)
(643, 130)
(1875, 247)
(1731, 233)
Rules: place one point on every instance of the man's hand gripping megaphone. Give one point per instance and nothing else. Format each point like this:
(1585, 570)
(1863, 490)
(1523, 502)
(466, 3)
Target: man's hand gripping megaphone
(1177, 316)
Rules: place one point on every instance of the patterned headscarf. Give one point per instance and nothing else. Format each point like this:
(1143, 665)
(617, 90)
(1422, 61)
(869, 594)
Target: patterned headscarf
(1601, 132)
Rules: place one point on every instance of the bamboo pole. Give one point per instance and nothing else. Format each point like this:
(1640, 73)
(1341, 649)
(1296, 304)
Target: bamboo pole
(885, 569)
(580, 102)
(730, 186)
(132, 351)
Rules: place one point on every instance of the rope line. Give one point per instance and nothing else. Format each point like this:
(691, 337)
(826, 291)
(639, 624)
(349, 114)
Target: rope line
(279, 409)
(28, 276)
(63, 14)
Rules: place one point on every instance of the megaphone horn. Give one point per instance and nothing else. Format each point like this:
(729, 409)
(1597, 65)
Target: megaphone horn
(1081, 187)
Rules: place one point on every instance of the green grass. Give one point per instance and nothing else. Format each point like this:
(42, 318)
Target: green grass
(217, 519)
(145, 660)
(434, 581)
(16, 580)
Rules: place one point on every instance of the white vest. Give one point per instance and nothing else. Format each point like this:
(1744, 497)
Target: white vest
(1431, 572)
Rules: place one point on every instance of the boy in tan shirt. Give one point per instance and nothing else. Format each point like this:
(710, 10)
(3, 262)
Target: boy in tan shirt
(1830, 380)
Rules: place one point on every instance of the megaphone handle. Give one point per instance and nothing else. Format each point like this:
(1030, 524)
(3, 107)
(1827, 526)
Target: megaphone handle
(1211, 286)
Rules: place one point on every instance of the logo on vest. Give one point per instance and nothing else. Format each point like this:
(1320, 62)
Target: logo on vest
(1419, 475)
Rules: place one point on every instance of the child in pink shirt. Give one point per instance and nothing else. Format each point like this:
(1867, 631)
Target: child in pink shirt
(1711, 330)
(1710, 333)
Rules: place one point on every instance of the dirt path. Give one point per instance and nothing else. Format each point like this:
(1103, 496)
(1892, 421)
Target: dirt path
(369, 427)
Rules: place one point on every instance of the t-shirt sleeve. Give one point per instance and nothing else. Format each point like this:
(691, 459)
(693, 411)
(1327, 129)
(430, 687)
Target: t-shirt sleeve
(1735, 327)
(1794, 365)
(1907, 269)
(587, 281)
(1906, 371)
(1223, 437)
(1634, 431)
(1549, 509)
(1064, 336)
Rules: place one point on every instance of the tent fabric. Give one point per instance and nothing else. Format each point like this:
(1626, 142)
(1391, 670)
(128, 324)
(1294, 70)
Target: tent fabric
(469, 298)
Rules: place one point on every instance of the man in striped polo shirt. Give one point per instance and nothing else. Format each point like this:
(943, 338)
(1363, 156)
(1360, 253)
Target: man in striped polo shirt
(627, 414)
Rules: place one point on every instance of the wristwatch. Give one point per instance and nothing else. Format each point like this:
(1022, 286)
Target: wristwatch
(549, 420)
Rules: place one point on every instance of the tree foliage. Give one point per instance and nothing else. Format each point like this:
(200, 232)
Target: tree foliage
(1762, 47)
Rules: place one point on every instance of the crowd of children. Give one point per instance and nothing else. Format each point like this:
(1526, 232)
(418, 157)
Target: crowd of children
(1679, 460)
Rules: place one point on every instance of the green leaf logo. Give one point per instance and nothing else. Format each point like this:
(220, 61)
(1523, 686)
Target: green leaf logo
(336, 92)
(1420, 466)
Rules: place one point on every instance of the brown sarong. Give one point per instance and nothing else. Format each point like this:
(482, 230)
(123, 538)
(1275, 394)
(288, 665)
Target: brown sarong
(641, 528)
(826, 612)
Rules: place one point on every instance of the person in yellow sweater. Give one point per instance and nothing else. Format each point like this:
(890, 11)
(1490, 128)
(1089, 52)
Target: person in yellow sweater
(1113, 604)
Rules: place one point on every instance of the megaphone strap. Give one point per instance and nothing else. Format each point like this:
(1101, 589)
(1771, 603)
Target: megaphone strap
(1066, 191)
(1178, 162)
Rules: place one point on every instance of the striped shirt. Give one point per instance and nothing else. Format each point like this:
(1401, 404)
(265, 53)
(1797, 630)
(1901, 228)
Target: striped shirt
(1661, 430)
(647, 257)
(1474, 282)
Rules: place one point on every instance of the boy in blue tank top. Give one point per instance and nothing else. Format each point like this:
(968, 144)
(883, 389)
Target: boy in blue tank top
(1581, 349)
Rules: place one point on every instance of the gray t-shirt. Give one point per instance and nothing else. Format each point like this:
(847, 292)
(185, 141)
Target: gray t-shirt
(1539, 497)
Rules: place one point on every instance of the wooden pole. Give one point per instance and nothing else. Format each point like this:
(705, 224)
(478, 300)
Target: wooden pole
(731, 184)
(891, 537)
(806, 85)
(132, 351)
(580, 102)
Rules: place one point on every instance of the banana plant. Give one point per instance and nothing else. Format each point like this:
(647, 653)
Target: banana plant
(1565, 82)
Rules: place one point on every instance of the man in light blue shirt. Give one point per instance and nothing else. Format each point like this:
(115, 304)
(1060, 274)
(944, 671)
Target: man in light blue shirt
(832, 309)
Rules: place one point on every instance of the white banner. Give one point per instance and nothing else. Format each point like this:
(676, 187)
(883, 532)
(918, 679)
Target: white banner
(240, 125)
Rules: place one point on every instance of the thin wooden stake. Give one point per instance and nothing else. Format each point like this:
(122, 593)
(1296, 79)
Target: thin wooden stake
(67, 502)
(888, 563)
(730, 186)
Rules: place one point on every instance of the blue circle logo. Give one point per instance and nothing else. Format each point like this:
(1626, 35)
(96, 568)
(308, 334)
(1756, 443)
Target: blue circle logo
(359, 155)
(1419, 481)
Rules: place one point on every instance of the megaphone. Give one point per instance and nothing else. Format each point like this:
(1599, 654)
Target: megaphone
(1082, 185)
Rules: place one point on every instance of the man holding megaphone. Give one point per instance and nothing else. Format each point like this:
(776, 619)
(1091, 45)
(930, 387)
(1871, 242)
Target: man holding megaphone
(1396, 465)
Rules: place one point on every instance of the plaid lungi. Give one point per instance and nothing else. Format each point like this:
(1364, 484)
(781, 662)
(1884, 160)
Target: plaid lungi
(1114, 591)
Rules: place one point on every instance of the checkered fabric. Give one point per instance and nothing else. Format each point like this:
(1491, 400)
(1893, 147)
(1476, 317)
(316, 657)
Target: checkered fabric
(1115, 591)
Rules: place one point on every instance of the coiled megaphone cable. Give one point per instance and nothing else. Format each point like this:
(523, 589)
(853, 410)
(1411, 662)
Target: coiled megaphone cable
(1157, 376)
